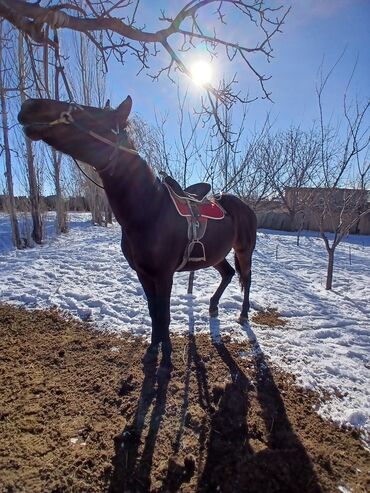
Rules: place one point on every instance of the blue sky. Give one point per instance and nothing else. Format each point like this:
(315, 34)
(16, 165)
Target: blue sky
(314, 32)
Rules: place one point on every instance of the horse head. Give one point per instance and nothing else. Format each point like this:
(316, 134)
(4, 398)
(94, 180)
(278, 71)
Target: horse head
(84, 132)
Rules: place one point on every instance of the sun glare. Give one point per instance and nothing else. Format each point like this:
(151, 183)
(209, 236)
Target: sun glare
(201, 72)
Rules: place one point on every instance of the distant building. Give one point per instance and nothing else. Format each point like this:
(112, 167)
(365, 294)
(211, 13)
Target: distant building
(329, 199)
(308, 208)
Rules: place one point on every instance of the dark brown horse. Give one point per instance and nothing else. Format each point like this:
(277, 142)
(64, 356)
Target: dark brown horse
(154, 236)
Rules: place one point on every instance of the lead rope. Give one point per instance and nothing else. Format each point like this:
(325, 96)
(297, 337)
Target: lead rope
(85, 174)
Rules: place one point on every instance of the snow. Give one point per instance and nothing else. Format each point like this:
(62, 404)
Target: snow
(325, 342)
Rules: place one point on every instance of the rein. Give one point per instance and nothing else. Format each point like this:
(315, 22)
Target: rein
(87, 176)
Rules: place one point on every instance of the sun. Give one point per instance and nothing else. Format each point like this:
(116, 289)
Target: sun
(201, 72)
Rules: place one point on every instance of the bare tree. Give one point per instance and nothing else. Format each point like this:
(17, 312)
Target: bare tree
(32, 171)
(251, 180)
(292, 165)
(223, 158)
(186, 28)
(187, 145)
(11, 206)
(44, 74)
(60, 201)
(57, 157)
(343, 208)
(178, 158)
(91, 86)
(151, 141)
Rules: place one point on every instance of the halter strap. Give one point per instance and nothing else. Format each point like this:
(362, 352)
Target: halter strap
(67, 119)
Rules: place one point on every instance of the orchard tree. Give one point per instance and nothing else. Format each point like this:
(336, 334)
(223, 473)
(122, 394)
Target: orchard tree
(34, 173)
(292, 162)
(342, 154)
(91, 88)
(5, 148)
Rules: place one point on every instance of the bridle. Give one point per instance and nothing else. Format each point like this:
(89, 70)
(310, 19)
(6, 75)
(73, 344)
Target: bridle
(66, 118)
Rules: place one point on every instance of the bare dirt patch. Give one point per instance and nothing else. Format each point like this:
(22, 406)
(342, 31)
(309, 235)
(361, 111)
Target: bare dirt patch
(270, 317)
(80, 413)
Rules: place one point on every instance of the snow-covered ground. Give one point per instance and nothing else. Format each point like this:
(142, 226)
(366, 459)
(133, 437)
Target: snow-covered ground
(325, 343)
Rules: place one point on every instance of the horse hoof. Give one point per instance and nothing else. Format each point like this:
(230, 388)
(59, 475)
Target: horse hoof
(213, 313)
(242, 320)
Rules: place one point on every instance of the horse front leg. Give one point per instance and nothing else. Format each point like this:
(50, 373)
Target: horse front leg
(158, 293)
(162, 320)
(149, 289)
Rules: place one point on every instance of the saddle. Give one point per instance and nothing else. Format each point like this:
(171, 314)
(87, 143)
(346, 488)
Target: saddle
(197, 207)
(193, 201)
(197, 191)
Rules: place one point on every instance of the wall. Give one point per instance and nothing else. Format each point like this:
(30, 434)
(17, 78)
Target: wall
(281, 220)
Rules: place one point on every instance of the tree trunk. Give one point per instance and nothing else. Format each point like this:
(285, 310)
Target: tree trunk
(61, 206)
(35, 196)
(299, 237)
(17, 242)
(34, 189)
(108, 214)
(329, 275)
(95, 205)
(292, 216)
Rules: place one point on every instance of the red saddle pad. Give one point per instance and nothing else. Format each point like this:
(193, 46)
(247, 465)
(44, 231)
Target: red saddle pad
(207, 210)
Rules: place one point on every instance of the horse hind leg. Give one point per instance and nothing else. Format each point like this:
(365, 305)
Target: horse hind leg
(227, 273)
(243, 268)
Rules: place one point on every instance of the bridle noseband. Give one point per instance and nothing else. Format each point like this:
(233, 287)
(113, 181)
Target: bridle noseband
(66, 116)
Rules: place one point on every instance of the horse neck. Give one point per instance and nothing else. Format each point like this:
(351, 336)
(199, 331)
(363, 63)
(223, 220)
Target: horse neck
(132, 190)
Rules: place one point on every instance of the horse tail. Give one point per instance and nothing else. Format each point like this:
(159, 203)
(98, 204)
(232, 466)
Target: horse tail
(245, 229)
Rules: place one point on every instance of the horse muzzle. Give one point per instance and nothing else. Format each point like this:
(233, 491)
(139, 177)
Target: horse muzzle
(27, 111)
(32, 131)
(26, 118)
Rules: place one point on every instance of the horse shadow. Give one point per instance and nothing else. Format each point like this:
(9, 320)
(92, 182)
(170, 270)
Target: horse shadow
(232, 455)
(238, 457)
(131, 467)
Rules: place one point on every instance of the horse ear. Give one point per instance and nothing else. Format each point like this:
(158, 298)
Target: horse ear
(124, 109)
(107, 104)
